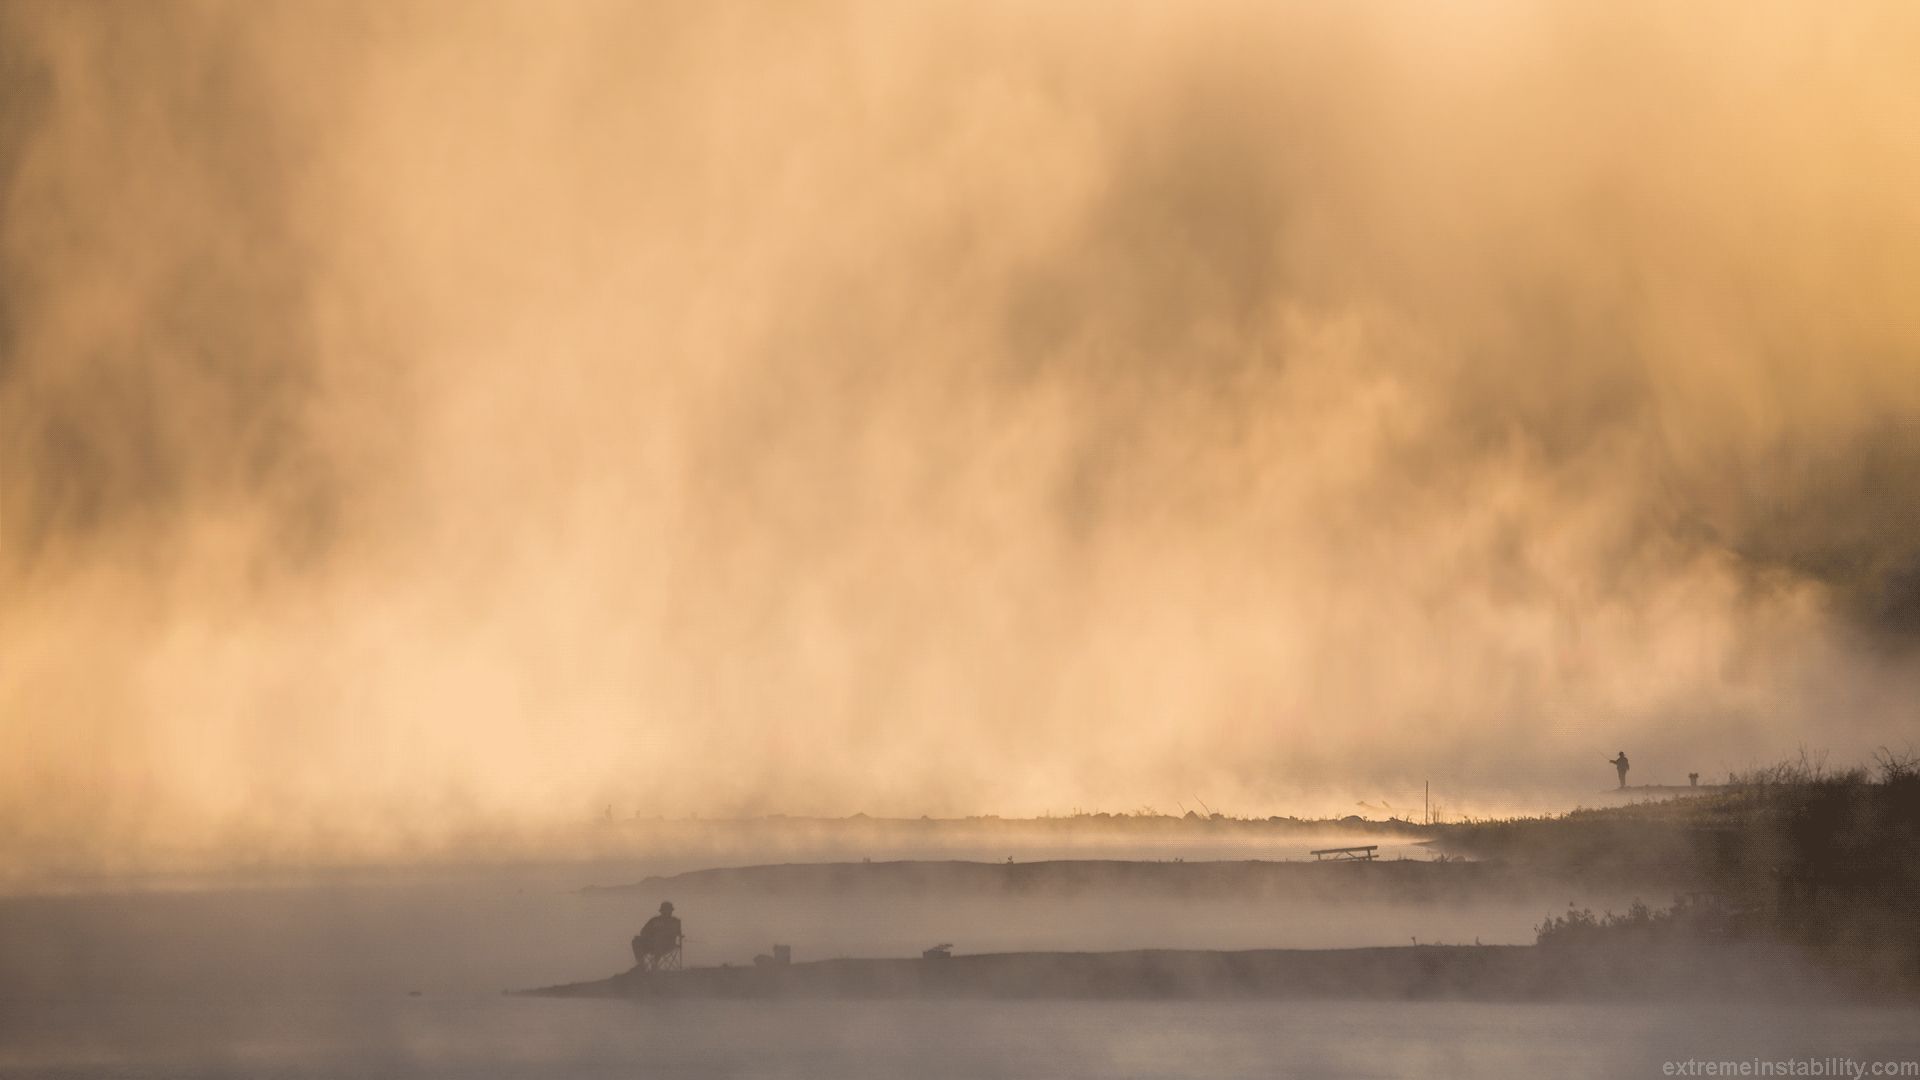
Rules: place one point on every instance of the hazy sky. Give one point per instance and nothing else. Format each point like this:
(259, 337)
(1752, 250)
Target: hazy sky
(472, 414)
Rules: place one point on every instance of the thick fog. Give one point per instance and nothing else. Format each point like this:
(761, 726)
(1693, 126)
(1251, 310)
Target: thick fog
(427, 423)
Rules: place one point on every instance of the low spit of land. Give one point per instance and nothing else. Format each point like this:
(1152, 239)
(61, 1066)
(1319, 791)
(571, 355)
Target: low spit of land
(1790, 882)
(1468, 972)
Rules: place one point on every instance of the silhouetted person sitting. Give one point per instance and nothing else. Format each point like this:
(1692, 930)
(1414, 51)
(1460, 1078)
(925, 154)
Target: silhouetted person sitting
(1620, 763)
(660, 937)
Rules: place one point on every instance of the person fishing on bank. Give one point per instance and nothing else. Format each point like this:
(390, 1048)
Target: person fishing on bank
(658, 938)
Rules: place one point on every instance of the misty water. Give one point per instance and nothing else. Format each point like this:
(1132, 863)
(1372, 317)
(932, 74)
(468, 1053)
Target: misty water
(401, 974)
(428, 426)
(486, 1037)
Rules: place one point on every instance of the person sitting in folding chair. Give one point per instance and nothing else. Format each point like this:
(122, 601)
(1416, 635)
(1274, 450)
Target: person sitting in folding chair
(657, 946)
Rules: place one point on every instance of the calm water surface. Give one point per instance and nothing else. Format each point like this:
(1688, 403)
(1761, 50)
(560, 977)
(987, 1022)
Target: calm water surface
(496, 1037)
(319, 981)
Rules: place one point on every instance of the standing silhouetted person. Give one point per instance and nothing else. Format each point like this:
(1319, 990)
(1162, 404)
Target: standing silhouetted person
(1620, 763)
(659, 937)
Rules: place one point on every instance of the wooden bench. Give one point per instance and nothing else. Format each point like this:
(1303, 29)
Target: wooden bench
(1363, 853)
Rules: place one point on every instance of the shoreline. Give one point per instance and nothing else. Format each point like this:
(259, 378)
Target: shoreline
(1405, 972)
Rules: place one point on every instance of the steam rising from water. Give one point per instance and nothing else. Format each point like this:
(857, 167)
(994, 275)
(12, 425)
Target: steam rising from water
(427, 419)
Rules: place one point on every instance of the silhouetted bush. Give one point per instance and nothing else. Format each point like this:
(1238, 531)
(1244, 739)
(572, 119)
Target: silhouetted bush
(1691, 917)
